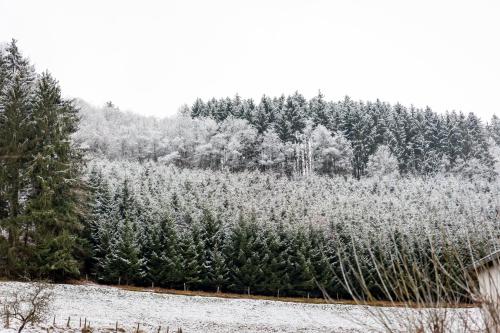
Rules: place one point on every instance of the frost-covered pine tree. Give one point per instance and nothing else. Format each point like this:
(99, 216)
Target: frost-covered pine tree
(494, 129)
(123, 263)
(213, 263)
(192, 248)
(244, 256)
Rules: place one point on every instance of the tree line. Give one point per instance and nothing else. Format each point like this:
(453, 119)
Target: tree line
(423, 141)
(293, 136)
(174, 228)
(39, 172)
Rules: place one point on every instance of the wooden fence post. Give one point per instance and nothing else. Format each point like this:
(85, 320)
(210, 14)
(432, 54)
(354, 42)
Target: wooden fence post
(69, 319)
(7, 317)
(137, 331)
(116, 327)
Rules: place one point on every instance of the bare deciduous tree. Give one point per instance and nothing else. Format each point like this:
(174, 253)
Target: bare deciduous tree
(432, 288)
(30, 305)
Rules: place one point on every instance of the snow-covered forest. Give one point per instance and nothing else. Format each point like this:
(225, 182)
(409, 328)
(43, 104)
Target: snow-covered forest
(293, 136)
(266, 232)
(234, 195)
(206, 203)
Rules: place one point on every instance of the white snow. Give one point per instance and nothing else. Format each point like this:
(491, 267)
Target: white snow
(103, 306)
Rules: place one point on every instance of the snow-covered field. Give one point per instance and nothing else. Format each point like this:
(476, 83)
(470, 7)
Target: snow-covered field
(104, 306)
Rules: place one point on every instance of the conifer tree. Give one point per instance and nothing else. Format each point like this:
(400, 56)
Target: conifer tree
(170, 273)
(54, 178)
(15, 110)
(494, 129)
(321, 266)
(300, 268)
(192, 250)
(123, 263)
(199, 109)
(274, 260)
(214, 268)
(125, 202)
(244, 252)
(319, 111)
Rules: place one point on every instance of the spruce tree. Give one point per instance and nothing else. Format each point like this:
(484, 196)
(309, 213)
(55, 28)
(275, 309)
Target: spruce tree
(192, 250)
(123, 263)
(213, 269)
(300, 268)
(494, 129)
(319, 111)
(274, 262)
(171, 261)
(54, 180)
(322, 269)
(244, 253)
(103, 232)
(264, 115)
(16, 101)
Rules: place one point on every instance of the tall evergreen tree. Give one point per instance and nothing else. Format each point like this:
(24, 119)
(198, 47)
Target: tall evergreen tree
(319, 111)
(244, 253)
(274, 261)
(123, 262)
(54, 180)
(16, 101)
(214, 269)
(494, 129)
(192, 250)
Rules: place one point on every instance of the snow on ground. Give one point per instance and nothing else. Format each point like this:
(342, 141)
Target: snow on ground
(103, 306)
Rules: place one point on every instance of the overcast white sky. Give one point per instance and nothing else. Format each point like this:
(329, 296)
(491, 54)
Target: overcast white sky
(152, 56)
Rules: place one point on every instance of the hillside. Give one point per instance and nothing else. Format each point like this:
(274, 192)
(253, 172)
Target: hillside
(199, 203)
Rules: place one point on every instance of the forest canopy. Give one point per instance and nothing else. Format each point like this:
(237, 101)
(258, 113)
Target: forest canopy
(293, 136)
(232, 194)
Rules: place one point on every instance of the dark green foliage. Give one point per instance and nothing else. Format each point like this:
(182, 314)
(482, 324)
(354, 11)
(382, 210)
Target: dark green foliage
(123, 263)
(247, 257)
(214, 270)
(39, 172)
(244, 256)
(192, 250)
